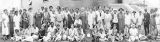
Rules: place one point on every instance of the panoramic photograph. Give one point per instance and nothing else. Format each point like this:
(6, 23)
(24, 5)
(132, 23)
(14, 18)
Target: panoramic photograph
(79, 20)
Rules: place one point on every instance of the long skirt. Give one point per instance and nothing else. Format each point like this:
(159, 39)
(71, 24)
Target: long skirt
(158, 27)
(5, 30)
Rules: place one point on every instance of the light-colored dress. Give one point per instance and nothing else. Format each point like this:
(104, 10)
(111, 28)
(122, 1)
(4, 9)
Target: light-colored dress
(5, 27)
(140, 19)
(90, 20)
(127, 19)
(53, 16)
(115, 18)
(31, 17)
(133, 34)
(17, 19)
(158, 22)
(108, 18)
(134, 19)
(60, 19)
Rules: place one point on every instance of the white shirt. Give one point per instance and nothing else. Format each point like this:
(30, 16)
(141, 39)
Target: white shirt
(59, 17)
(31, 17)
(134, 18)
(157, 18)
(17, 19)
(52, 17)
(0, 17)
(102, 15)
(127, 19)
(115, 19)
(5, 29)
(108, 18)
(51, 29)
(90, 18)
(78, 22)
(98, 16)
(133, 31)
(140, 19)
(6, 19)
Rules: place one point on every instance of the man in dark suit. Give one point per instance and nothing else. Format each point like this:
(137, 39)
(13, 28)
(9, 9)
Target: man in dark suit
(146, 21)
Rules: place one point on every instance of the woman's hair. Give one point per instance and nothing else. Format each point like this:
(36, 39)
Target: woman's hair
(121, 9)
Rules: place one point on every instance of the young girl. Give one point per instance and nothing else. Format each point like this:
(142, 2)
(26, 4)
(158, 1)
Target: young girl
(114, 32)
(59, 33)
(71, 33)
(102, 35)
(133, 33)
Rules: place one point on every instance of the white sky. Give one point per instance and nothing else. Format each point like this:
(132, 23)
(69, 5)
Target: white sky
(16, 3)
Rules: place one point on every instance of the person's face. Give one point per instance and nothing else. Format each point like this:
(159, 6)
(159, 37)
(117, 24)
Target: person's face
(115, 26)
(16, 12)
(5, 11)
(51, 8)
(115, 11)
(42, 8)
(20, 11)
(140, 12)
(145, 10)
(127, 12)
(72, 26)
(46, 9)
(107, 11)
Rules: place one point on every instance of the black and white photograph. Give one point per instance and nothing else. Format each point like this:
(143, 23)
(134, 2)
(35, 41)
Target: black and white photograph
(79, 20)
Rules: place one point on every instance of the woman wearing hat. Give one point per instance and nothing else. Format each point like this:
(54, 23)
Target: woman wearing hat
(134, 17)
(121, 20)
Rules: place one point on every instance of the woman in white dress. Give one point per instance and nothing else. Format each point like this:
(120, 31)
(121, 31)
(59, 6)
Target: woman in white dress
(134, 17)
(5, 20)
(17, 20)
(107, 19)
(90, 20)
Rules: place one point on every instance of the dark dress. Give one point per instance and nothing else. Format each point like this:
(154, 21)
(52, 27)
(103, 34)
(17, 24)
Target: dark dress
(38, 19)
(25, 20)
(146, 23)
(70, 21)
(83, 17)
(121, 22)
(11, 25)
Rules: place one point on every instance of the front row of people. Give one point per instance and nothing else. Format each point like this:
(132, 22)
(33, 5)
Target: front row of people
(55, 33)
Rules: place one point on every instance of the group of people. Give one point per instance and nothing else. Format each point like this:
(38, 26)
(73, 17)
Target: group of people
(96, 24)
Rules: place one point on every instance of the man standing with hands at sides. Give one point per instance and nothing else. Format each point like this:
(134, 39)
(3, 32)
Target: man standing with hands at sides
(146, 22)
